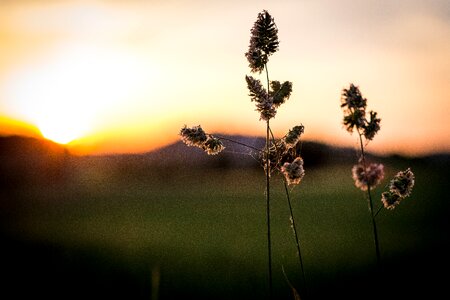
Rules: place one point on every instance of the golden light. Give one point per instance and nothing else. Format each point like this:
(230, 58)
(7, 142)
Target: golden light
(68, 94)
(123, 76)
(61, 129)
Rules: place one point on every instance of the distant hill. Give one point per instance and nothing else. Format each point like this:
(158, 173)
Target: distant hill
(32, 160)
(10, 126)
(29, 160)
(314, 154)
(236, 155)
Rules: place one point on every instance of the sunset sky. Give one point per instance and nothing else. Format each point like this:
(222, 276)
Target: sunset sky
(125, 76)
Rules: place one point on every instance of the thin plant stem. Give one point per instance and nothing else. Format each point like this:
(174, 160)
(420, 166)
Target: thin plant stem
(381, 207)
(294, 291)
(269, 243)
(374, 224)
(294, 227)
(236, 142)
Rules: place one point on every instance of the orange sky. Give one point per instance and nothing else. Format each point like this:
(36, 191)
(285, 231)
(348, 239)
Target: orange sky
(125, 76)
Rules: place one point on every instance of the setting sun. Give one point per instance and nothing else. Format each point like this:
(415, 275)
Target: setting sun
(124, 76)
(61, 128)
(167, 149)
(67, 94)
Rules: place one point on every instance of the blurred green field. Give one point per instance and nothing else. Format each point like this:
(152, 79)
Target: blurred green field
(201, 234)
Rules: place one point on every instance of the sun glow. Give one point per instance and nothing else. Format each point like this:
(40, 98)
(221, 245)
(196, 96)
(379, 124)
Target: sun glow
(70, 93)
(62, 128)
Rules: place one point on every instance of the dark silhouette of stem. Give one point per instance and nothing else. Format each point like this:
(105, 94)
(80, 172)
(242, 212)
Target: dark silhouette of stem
(236, 142)
(374, 224)
(381, 207)
(294, 291)
(294, 227)
(269, 243)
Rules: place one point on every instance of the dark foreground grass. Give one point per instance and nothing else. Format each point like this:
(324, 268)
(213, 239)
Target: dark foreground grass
(200, 234)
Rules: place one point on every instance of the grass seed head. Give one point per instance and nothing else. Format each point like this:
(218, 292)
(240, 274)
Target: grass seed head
(293, 172)
(263, 42)
(371, 176)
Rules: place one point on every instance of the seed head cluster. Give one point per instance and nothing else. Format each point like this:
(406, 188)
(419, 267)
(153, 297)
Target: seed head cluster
(293, 136)
(284, 155)
(197, 137)
(354, 106)
(293, 172)
(263, 42)
(370, 176)
(268, 102)
(400, 187)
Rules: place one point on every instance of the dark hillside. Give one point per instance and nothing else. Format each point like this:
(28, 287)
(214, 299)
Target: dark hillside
(73, 226)
(25, 160)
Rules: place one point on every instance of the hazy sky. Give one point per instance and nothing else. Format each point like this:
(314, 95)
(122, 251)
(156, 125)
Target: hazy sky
(127, 75)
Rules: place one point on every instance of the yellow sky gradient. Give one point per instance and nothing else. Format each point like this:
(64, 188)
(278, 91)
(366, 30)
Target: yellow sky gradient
(125, 76)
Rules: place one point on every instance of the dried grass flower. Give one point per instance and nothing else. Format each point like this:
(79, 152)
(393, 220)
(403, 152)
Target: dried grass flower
(293, 172)
(354, 106)
(263, 42)
(194, 136)
(264, 102)
(352, 98)
(213, 146)
(197, 137)
(372, 126)
(390, 200)
(371, 176)
(293, 136)
(402, 183)
(400, 187)
(280, 92)
(257, 92)
(278, 154)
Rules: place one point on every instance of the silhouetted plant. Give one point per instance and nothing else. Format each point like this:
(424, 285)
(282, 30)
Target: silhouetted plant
(367, 176)
(400, 187)
(281, 155)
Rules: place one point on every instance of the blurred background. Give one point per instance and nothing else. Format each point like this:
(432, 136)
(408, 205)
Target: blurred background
(100, 199)
(124, 76)
(176, 223)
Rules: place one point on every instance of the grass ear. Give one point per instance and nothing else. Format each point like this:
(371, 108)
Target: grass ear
(282, 155)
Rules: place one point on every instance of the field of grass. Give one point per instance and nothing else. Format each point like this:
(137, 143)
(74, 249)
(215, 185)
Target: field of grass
(201, 234)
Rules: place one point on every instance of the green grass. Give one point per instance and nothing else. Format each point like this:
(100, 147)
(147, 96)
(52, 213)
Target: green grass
(205, 231)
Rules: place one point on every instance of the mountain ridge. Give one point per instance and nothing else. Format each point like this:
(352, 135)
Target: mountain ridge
(29, 160)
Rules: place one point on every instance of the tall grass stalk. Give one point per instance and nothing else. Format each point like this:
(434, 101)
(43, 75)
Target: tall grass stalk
(283, 154)
(367, 176)
(294, 229)
(369, 196)
(292, 219)
(269, 240)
